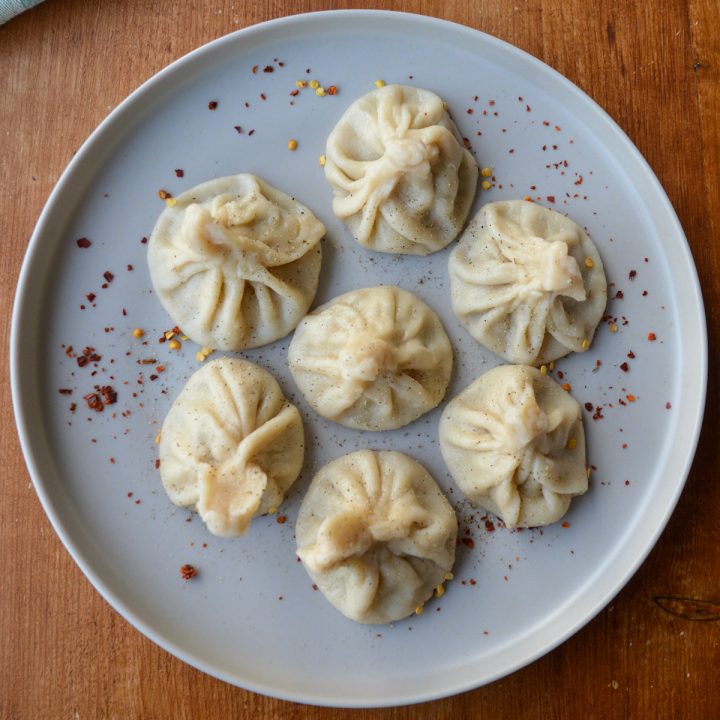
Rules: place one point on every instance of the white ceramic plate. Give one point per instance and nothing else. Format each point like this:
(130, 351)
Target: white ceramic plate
(251, 616)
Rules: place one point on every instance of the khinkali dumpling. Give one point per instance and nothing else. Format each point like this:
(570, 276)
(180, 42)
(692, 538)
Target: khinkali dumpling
(402, 179)
(231, 445)
(514, 442)
(372, 359)
(527, 282)
(376, 535)
(235, 262)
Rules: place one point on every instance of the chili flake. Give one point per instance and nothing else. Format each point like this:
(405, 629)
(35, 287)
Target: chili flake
(652, 337)
(83, 243)
(163, 194)
(212, 105)
(188, 572)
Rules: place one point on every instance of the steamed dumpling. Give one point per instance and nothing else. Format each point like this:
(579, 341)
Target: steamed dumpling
(235, 262)
(372, 359)
(403, 182)
(515, 445)
(231, 445)
(527, 282)
(376, 535)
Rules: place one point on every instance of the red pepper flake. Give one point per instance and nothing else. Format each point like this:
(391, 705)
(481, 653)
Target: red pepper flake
(93, 402)
(624, 446)
(91, 297)
(619, 295)
(73, 407)
(314, 587)
(469, 111)
(143, 241)
(560, 374)
(652, 337)
(551, 198)
(82, 361)
(212, 105)
(631, 398)
(254, 69)
(294, 93)
(489, 526)
(625, 367)
(65, 391)
(280, 63)
(632, 274)
(597, 415)
(263, 96)
(268, 69)
(566, 524)
(332, 90)
(112, 460)
(558, 128)
(163, 195)
(130, 494)
(579, 180)
(631, 355)
(528, 108)
(188, 572)
(83, 243)
(238, 129)
(468, 542)
(281, 519)
(589, 406)
(153, 377)
(511, 151)
(567, 387)
(109, 394)
(157, 463)
(627, 482)
(251, 133)
(179, 172)
(109, 277)
(472, 581)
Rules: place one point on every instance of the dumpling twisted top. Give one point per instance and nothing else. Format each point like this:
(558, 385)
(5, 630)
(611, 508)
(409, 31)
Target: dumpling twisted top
(231, 445)
(514, 442)
(376, 534)
(403, 180)
(527, 282)
(372, 359)
(235, 262)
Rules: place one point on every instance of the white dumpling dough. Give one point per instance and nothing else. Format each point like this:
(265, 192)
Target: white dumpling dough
(235, 262)
(372, 359)
(515, 445)
(231, 445)
(376, 535)
(403, 181)
(527, 282)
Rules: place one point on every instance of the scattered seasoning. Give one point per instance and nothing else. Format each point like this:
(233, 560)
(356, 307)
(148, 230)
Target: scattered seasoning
(83, 242)
(439, 591)
(566, 524)
(589, 262)
(268, 69)
(589, 406)
(625, 367)
(566, 387)
(292, 145)
(163, 195)
(254, 69)
(65, 391)
(652, 337)
(419, 610)
(188, 572)
(619, 295)
(174, 344)
(212, 105)
(551, 198)
(543, 370)
(468, 542)
(251, 133)
(281, 519)
(238, 129)
(585, 344)
(631, 398)
(632, 274)
(93, 402)
(332, 90)
(263, 96)
(572, 443)
(91, 297)
(379, 84)
(322, 160)
(179, 172)
(486, 172)
(138, 332)
(613, 328)
(485, 185)
(489, 526)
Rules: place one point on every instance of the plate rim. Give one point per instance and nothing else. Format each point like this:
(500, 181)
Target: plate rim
(21, 412)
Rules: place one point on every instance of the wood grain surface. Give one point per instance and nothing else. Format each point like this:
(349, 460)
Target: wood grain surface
(655, 651)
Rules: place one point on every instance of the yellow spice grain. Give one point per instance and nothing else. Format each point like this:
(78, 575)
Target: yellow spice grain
(138, 333)
(292, 144)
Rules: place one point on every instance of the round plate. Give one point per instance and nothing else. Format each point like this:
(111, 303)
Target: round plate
(251, 616)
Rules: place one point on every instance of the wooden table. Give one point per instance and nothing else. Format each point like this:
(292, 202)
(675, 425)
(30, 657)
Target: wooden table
(64, 653)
